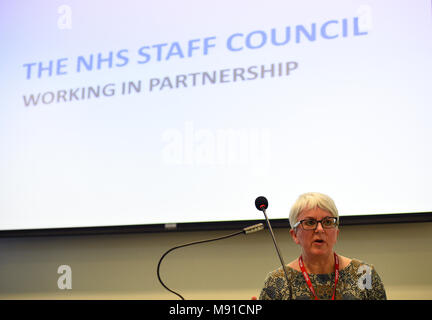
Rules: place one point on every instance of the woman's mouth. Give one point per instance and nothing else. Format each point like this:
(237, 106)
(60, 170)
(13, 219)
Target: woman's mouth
(318, 241)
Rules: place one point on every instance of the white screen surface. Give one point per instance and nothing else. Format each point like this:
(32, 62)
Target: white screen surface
(130, 113)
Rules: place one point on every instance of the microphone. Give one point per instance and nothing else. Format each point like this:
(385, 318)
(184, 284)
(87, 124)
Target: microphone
(261, 204)
(247, 230)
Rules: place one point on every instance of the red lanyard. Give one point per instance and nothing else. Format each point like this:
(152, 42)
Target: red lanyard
(308, 281)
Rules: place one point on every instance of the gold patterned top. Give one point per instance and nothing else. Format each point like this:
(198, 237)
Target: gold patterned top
(357, 281)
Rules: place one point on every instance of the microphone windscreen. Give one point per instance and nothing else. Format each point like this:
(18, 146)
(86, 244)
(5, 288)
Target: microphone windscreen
(261, 203)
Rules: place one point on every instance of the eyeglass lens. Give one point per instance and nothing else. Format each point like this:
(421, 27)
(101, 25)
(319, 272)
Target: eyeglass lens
(329, 222)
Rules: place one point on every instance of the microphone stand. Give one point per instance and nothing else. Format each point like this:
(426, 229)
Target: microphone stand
(276, 246)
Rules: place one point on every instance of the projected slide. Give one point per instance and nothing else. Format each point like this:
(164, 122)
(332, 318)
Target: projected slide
(150, 112)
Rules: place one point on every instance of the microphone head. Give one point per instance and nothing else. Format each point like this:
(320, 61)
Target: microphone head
(261, 203)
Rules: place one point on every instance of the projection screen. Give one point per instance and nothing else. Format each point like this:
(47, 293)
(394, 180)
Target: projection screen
(120, 113)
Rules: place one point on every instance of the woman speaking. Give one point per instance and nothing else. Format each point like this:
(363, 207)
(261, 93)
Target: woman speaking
(320, 273)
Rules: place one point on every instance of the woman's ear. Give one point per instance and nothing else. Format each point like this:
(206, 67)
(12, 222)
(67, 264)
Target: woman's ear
(293, 234)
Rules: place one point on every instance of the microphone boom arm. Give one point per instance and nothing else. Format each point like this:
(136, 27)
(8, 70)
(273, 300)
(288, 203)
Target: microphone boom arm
(247, 230)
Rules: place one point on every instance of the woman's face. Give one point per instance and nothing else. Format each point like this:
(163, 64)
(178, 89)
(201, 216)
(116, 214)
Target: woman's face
(318, 242)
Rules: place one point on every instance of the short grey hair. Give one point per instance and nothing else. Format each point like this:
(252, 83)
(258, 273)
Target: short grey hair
(312, 200)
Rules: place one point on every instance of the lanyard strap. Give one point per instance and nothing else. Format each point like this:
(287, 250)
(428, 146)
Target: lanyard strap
(309, 282)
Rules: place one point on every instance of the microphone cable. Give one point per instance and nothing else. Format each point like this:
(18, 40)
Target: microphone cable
(247, 230)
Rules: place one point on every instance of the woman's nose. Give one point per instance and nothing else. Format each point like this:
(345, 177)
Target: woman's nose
(319, 227)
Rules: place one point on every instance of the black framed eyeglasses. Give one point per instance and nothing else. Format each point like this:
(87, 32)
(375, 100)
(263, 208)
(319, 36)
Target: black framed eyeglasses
(312, 224)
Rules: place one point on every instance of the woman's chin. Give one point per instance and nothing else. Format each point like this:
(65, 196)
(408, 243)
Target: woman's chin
(319, 250)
